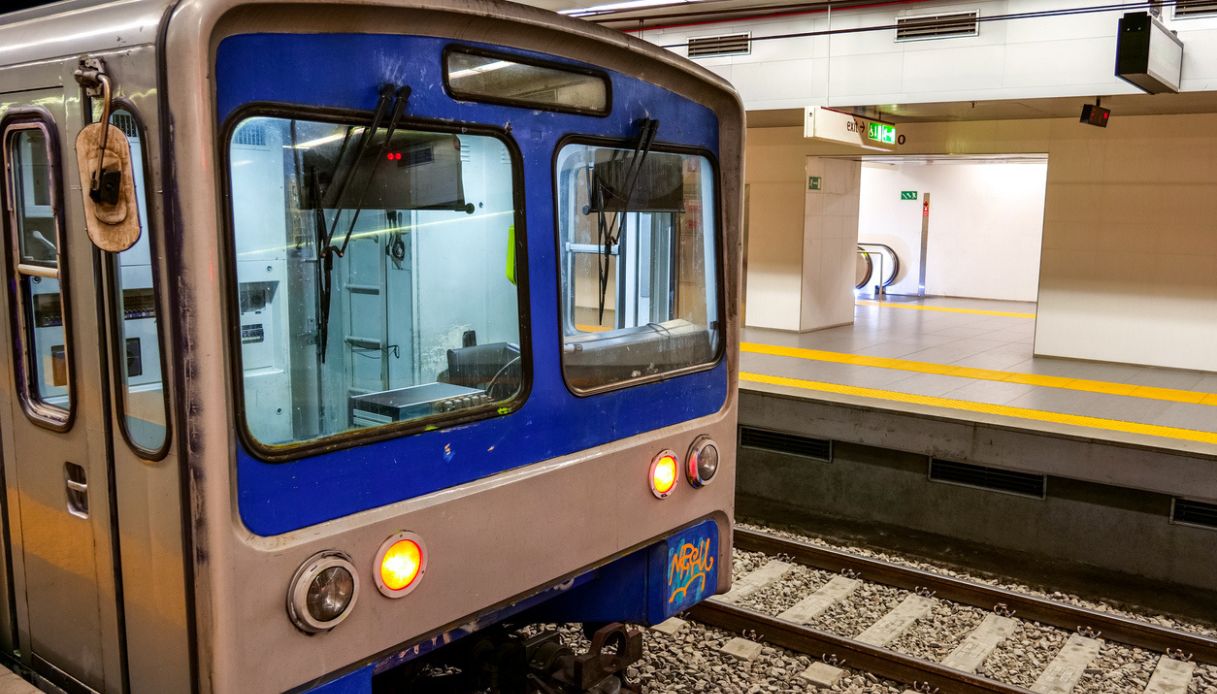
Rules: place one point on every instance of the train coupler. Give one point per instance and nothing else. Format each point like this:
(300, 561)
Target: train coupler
(601, 670)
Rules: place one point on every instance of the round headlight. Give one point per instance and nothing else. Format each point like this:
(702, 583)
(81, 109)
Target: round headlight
(322, 592)
(702, 462)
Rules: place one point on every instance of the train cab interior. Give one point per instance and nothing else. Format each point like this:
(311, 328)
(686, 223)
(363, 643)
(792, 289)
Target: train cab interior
(391, 334)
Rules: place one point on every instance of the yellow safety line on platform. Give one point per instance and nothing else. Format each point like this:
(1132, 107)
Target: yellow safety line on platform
(986, 408)
(944, 309)
(1062, 382)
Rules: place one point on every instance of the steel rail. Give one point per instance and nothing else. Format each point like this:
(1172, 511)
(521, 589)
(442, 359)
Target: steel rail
(1110, 626)
(841, 651)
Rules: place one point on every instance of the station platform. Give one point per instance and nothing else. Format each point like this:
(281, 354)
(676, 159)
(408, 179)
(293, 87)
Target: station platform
(934, 418)
(963, 373)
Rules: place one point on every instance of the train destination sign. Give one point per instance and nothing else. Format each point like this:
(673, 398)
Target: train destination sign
(828, 125)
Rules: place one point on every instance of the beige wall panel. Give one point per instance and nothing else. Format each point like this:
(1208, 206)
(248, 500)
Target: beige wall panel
(1129, 260)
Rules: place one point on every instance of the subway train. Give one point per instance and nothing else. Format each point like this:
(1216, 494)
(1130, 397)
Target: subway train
(349, 338)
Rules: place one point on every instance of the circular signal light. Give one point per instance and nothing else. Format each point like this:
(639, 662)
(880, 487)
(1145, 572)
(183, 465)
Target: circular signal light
(701, 465)
(665, 470)
(322, 593)
(400, 564)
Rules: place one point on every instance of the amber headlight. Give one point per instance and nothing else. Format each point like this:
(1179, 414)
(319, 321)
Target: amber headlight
(323, 592)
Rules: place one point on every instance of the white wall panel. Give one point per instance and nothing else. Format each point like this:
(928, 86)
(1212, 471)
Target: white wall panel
(1070, 55)
(986, 224)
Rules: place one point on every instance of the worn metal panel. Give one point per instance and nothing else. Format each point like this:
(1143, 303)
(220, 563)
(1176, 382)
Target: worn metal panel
(509, 518)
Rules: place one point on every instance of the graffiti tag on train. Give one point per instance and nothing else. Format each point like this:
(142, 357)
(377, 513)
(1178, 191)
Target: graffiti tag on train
(688, 565)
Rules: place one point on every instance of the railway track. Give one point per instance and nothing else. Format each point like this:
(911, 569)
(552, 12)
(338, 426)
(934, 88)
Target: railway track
(1179, 652)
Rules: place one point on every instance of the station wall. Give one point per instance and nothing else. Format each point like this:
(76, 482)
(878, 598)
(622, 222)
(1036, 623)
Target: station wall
(1035, 57)
(1128, 269)
(986, 222)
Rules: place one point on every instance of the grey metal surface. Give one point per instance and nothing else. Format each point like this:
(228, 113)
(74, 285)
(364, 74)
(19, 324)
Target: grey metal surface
(63, 568)
(242, 624)
(148, 492)
(72, 29)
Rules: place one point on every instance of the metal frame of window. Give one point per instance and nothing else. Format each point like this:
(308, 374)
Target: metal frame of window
(534, 62)
(24, 366)
(361, 436)
(117, 337)
(719, 260)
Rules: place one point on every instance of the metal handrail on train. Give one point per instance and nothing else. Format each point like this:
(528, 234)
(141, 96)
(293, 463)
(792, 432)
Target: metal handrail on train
(887, 279)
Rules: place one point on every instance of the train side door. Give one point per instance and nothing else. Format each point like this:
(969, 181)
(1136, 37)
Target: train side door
(52, 408)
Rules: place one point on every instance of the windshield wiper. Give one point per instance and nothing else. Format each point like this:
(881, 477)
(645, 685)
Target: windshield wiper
(609, 232)
(327, 248)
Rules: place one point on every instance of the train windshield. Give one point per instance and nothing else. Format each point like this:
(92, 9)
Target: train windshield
(638, 262)
(376, 276)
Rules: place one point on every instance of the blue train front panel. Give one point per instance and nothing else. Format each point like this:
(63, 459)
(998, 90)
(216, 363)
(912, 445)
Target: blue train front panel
(290, 473)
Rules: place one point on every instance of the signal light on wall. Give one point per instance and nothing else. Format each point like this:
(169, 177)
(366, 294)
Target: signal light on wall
(1094, 114)
(665, 470)
(393, 156)
(400, 564)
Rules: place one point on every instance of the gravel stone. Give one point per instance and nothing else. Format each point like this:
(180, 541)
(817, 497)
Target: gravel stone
(690, 661)
(1131, 611)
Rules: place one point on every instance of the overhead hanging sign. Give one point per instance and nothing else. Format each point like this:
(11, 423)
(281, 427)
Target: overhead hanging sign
(825, 124)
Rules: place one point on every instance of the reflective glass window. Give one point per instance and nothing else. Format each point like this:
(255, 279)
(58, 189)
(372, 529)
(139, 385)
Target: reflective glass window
(492, 77)
(34, 223)
(638, 264)
(375, 276)
(143, 390)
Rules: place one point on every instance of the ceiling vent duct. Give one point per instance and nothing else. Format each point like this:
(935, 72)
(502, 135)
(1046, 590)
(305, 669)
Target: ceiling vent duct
(938, 26)
(715, 46)
(1195, 8)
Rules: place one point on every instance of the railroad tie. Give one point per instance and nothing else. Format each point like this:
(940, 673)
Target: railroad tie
(896, 622)
(822, 674)
(742, 648)
(1063, 673)
(984, 639)
(812, 606)
(1170, 677)
(756, 580)
(670, 626)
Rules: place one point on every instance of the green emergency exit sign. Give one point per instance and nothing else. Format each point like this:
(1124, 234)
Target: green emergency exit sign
(881, 132)
(814, 183)
(908, 195)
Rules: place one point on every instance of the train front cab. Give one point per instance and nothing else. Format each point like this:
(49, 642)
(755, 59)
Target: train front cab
(490, 325)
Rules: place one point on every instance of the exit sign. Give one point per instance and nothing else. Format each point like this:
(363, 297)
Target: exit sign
(881, 132)
(908, 195)
(814, 183)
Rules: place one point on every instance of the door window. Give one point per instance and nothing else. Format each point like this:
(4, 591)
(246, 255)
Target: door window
(138, 348)
(44, 366)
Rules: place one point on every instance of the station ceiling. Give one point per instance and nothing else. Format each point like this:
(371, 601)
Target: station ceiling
(1007, 109)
